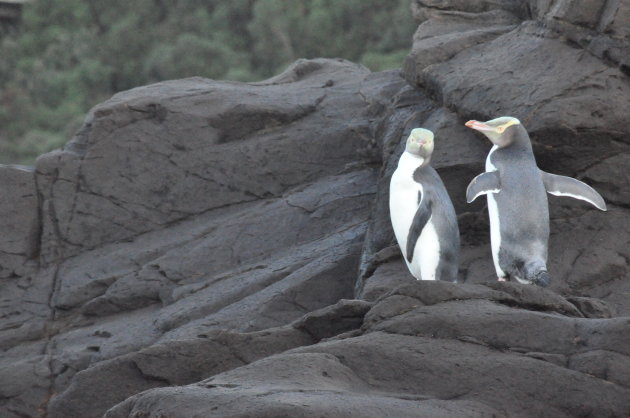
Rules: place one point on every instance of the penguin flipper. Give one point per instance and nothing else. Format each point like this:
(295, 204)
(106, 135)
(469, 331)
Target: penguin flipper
(567, 186)
(420, 219)
(484, 183)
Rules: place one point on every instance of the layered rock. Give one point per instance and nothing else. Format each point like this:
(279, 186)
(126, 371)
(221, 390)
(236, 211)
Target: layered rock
(428, 349)
(187, 208)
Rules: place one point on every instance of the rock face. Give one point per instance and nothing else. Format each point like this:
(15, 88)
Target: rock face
(206, 248)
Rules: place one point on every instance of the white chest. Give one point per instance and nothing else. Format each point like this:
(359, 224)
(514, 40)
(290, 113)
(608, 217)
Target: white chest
(495, 222)
(403, 205)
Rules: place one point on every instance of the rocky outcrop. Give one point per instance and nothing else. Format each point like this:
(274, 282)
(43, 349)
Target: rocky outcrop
(180, 210)
(545, 63)
(206, 248)
(428, 349)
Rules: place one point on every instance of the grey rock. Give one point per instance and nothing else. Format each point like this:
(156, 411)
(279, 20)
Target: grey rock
(425, 293)
(541, 105)
(102, 186)
(19, 221)
(591, 307)
(24, 379)
(579, 12)
(485, 349)
(333, 320)
(425, 8)
(181, 362)
(373, 373)
(386, 275)
(293, 384)
(606, 365)
(154, 234)
(447, 34)
(167, 364)
(610, 177)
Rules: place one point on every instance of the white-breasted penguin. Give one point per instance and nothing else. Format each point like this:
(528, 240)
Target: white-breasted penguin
(422, 213)
(517, 201)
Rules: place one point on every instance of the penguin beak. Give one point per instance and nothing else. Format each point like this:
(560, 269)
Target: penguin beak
(479, 126)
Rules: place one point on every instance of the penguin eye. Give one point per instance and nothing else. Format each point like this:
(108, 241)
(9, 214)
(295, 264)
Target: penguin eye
(500, 129)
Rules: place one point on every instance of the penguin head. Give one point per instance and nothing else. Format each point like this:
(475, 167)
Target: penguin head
(501, 131)
(420, 143)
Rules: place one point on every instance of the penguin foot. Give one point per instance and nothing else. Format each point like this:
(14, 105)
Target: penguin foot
(542, 278)
(501, 279)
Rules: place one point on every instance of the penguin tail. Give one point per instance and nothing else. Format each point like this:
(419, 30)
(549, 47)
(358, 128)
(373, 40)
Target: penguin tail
(537, 274)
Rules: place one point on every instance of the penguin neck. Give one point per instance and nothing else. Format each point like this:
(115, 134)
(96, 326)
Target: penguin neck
(517, 146)
(521, 139)
(409, 163)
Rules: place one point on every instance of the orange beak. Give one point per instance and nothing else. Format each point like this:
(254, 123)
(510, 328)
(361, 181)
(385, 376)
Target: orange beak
(479, 126)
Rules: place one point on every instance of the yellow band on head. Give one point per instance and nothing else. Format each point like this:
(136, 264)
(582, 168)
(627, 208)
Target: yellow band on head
(511, 122)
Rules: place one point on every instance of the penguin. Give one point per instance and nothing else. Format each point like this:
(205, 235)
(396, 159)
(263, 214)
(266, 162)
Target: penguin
(516, 190)
(422, 214)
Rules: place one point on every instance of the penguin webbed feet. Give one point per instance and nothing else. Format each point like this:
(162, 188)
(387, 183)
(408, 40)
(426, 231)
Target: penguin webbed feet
(541, 278)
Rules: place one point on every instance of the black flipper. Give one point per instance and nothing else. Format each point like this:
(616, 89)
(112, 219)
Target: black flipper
(420, 219)
(484, 183)
(567, 186)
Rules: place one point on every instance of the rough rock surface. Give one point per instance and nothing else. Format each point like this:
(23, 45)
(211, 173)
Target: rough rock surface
(206, 248)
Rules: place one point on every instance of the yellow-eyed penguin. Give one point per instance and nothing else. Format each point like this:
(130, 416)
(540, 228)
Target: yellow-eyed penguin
(517, 201)
(422, 214)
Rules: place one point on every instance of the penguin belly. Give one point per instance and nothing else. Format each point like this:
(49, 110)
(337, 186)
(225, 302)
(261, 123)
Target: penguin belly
(495, 233)
(519, 243)
(403, 204)
(426, 254)
(495, 222)
(519, 223)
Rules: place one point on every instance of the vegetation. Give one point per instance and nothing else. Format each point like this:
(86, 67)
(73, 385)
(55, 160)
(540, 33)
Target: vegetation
(69, 55)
